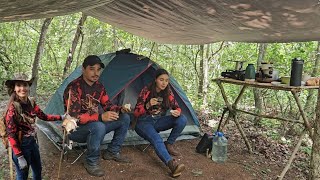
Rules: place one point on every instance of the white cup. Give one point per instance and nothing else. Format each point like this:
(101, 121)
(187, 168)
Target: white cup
(305, 77)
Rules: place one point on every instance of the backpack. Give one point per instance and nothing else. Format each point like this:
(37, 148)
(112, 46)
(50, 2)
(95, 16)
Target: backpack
(3, 128)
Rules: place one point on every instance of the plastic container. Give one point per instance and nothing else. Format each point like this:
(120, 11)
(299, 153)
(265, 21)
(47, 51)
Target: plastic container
(219, 148)
(296, 72)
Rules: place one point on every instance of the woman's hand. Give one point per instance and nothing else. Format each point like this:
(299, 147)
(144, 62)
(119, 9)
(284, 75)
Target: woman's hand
(22, 162)
(153, 101)
(175, 113)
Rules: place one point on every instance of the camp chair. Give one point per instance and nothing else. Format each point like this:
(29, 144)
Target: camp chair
(70, 146)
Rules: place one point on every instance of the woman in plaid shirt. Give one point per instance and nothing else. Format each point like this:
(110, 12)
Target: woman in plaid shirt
(20, 122)
(154, 102)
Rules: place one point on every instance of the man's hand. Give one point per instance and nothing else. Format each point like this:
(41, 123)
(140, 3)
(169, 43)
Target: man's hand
(65, 119)
(22, 162)
(175, 113)
(109, 116)
(69, 123)
(126, 108)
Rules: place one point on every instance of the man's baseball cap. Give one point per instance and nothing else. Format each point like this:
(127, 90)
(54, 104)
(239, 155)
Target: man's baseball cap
(92, 60)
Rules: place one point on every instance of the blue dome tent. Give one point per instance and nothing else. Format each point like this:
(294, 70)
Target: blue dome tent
(124, 75)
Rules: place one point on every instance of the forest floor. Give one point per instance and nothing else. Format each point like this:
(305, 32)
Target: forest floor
(267, 161)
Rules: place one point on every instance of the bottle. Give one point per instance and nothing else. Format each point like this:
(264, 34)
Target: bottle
(275, 75)
(296, 72)
(219, 148)
(250, 73)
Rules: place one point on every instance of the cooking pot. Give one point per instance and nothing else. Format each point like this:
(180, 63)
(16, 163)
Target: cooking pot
(285, 79)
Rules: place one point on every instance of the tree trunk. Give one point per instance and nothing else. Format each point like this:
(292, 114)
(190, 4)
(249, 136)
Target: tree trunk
(205, 77)
(201, 78)
(115, 40)
(314, 73)
(80, 48)
(257, 92)
(74, 45)
(38, 55)
(315, 154)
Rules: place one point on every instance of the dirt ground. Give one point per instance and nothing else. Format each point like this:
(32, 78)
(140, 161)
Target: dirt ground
(146, 165)
(267, 161)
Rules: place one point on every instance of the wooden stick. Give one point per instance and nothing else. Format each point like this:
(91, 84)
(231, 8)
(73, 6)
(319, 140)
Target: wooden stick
(304, 117)
(9, 147)
(296, 148)
(242, 133)
(233, 113)
(223, 93)
(269, 116)
(226, 122)
(62, 152)
(10, 162)
(69, 101)
(64, 136)
(239, 96)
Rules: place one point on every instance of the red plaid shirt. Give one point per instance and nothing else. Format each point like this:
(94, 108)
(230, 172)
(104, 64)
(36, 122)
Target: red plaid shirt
(140, 108)
(26, 128)
(85, 100)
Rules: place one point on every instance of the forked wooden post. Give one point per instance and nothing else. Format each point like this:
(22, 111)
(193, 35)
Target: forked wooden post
(64, 136)
(233, 113)
(303, 115)
(295, 150)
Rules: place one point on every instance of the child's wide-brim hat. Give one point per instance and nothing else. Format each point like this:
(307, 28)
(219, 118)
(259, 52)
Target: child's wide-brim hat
(18, 77)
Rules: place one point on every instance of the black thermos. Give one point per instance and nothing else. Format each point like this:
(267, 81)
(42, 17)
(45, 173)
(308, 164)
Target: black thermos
(296, 72)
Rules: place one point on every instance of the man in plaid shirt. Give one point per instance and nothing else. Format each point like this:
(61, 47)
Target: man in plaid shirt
(86, 95)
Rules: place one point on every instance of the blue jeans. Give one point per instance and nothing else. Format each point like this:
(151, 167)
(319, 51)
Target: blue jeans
(93, 134)
(30, 151)
(149, 127)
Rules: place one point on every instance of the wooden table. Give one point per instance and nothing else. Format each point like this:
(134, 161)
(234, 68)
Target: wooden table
(232, 108)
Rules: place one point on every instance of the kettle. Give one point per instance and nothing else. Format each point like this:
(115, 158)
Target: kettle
(250, 73)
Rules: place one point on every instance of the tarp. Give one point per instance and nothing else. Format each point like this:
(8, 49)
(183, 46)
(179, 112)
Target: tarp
(123, 77)
(187, 21)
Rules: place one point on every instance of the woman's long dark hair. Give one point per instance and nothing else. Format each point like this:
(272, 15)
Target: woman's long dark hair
(164, 93)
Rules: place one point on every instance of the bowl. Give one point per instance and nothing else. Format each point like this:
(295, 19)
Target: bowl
(285, 80)
(275, 83)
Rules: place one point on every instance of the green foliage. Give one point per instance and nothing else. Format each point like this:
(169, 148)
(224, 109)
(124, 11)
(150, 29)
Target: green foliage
(19, 42)
(306, 149)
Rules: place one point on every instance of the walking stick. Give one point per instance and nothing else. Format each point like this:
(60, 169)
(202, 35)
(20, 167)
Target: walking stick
(6, 142)
(64, 136)
(10, 162)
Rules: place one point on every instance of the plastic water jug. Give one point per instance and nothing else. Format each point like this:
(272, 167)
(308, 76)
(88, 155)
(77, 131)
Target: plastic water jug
(219, 148)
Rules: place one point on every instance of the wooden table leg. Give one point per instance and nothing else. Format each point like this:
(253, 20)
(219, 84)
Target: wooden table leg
(304, 117)
(242, 133)
(233, 113)
(295, 150)
(224, 96)
(226, 122)
(239, 96)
